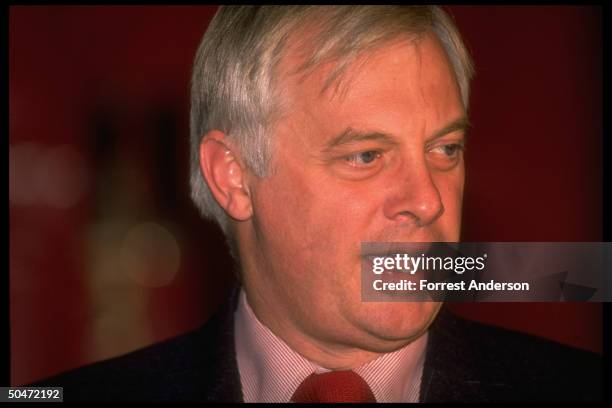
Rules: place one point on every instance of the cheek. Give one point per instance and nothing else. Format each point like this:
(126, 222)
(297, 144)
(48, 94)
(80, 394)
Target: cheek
(310, 232)
(288, 212)
(314, 212)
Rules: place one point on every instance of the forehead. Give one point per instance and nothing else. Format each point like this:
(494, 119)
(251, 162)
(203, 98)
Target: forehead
(410, 74)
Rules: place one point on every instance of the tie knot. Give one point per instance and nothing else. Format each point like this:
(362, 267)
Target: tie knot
(334, 386)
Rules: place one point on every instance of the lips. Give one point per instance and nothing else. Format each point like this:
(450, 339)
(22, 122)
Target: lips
(388, 275)
(371, 251)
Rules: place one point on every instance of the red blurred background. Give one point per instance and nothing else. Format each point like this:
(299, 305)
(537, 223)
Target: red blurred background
(107, 254)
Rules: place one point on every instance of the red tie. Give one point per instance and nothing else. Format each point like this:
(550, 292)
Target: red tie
(334, 386)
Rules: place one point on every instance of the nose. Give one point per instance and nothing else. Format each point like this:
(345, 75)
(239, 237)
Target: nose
(414, 198)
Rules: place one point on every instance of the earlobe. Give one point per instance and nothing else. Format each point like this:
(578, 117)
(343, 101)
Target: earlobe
(225, 175)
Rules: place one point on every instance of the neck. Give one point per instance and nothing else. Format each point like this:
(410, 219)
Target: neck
(329, 355)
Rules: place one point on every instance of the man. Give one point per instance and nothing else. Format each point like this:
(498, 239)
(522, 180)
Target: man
(314, 129)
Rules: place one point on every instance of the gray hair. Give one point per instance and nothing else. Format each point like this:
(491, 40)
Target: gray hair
(233, 80)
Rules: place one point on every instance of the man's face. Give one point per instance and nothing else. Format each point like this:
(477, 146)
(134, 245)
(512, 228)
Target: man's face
(377, 162)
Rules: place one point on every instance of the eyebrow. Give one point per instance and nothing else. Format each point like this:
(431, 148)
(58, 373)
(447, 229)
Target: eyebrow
(350, 135)
(461, 124)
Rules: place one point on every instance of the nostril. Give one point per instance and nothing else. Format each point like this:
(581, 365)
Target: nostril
(405, 216)
(429, 215)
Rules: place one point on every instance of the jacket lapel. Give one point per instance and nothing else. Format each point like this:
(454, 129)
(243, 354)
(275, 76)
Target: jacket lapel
(449, 372)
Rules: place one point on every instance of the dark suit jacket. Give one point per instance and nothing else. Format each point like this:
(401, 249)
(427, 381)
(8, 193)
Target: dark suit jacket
(465, 361)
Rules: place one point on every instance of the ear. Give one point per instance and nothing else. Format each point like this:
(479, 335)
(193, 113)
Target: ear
(225, 175)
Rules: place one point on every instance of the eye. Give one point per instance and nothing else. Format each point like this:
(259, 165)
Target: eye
(446, 156)
(363, 159)
(450, 150)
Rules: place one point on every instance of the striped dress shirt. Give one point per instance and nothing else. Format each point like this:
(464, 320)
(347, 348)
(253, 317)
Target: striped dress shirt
(270, 371)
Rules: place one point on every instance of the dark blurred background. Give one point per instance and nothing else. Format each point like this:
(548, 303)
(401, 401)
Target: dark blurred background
(107, 253)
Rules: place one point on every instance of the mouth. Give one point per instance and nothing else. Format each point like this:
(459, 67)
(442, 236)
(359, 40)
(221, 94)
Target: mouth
(392, 249)
(393, 263)
(398, 267)
(371, 282)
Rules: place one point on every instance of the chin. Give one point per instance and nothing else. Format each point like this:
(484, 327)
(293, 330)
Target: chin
(399, 321)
